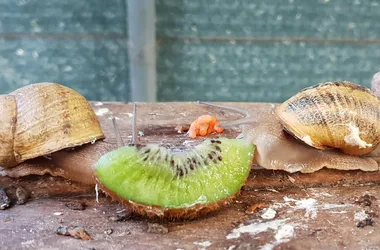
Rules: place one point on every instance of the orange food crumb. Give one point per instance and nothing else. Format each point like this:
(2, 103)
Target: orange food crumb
(204, 125)
(255, 207)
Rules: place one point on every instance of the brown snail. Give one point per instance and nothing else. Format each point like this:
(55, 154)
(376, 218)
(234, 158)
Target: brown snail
(339, 115)
(43, 118)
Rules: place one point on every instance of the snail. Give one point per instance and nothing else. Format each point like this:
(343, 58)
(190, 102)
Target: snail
(276, 148)
(39, 119)
(296, 134)
(324, 119)
(338, 115)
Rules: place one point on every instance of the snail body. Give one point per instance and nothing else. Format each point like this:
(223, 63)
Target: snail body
(339, 115)
(40, 119)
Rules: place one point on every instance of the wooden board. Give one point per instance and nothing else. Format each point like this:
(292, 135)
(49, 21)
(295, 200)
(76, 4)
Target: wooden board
(294, 211)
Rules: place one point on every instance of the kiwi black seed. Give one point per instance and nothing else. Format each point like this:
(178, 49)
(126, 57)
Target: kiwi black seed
(157, 181)
(182, 164)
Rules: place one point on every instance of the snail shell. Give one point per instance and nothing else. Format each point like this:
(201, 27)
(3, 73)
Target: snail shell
(339, 115)
(43, 118)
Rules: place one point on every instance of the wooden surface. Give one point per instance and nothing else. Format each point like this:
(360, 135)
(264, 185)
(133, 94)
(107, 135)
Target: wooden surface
(321, 210)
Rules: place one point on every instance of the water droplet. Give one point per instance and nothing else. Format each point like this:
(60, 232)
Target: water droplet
(22, 2)
(20, 52)
(194, 28)
(202, 199)
(35, 54)
(35, 27)
(212, 58)
(67, 68)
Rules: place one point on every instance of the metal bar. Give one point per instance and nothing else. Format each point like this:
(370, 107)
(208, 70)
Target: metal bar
(134, 125)
(142, 50)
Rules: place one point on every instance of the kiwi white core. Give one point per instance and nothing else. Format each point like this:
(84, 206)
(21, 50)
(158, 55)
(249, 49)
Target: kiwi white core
(182, 161)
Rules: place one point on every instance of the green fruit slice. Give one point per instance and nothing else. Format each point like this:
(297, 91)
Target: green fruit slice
(156, 176)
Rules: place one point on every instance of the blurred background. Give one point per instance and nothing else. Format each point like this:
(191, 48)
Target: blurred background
(214, 50)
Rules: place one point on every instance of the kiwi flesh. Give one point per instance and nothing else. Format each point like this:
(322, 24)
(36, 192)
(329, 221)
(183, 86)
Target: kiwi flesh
(179, 184)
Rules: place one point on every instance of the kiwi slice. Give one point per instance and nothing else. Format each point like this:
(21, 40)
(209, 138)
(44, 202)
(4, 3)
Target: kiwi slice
(156, 181)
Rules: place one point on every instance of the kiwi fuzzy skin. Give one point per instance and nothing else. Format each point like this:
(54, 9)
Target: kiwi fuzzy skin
(174, 214)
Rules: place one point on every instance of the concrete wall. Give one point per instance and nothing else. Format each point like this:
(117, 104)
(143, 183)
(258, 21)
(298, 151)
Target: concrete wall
(214, 50)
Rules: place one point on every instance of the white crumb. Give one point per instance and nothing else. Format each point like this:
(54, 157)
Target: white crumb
(255, 228)
(269, 214)
(317, 193)
(140, 133)
(102, 111)
(57, 213)
(203, 244)
(116, 118)
(333, 206)
(96, 193)
(98, 104)
(283, 231)
(28, 244)
(283, 235)
(309, 205)
(360, 216)
(337, 212)
(272, 190)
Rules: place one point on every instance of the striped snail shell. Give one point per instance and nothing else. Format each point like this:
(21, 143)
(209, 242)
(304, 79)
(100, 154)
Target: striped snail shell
(340, 115)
